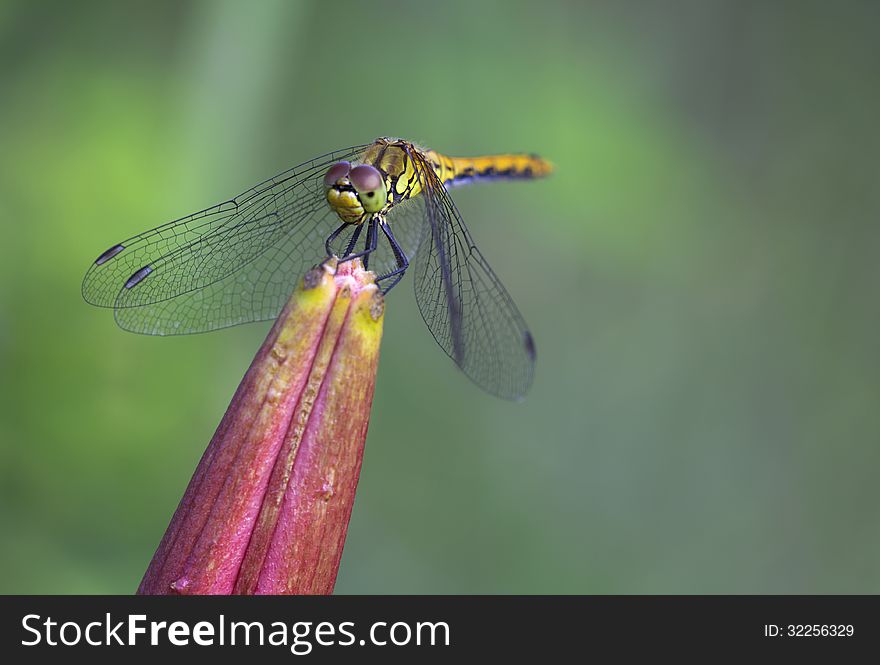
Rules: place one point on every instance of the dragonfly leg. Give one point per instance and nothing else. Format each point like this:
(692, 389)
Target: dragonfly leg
(333, 237)
(399, 255)
(371, 243)
(354, 238)
(369, 246)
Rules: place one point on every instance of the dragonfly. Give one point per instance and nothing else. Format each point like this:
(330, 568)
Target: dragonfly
(385, 202)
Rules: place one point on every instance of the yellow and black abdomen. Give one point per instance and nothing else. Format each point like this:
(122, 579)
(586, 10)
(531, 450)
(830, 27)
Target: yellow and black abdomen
(462, 170)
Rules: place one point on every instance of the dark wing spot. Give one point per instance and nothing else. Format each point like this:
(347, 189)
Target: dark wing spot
(109, 254)
(529, 342)
(490, 170)
(138, 277)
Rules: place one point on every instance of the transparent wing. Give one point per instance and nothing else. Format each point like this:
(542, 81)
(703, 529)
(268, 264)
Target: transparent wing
(464, 304)
(256, 291)
(277, 226)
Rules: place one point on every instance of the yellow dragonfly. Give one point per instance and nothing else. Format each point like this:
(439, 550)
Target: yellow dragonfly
(236, 262)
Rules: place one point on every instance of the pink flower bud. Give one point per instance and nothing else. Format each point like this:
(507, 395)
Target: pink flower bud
(267, 509)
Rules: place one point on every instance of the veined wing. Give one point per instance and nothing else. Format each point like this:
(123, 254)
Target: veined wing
(256, 291)
(463, 302)
(173, 262)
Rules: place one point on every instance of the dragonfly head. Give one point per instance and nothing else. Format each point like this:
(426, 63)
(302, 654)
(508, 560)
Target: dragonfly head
(354, 192)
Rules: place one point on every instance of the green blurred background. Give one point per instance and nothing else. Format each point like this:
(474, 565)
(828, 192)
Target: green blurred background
(700, 277)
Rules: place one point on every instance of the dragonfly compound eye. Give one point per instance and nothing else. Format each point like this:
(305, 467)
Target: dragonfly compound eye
(370, 186)
(337, 171)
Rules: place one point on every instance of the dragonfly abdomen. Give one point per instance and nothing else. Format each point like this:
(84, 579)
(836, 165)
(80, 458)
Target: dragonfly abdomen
(461, 170)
